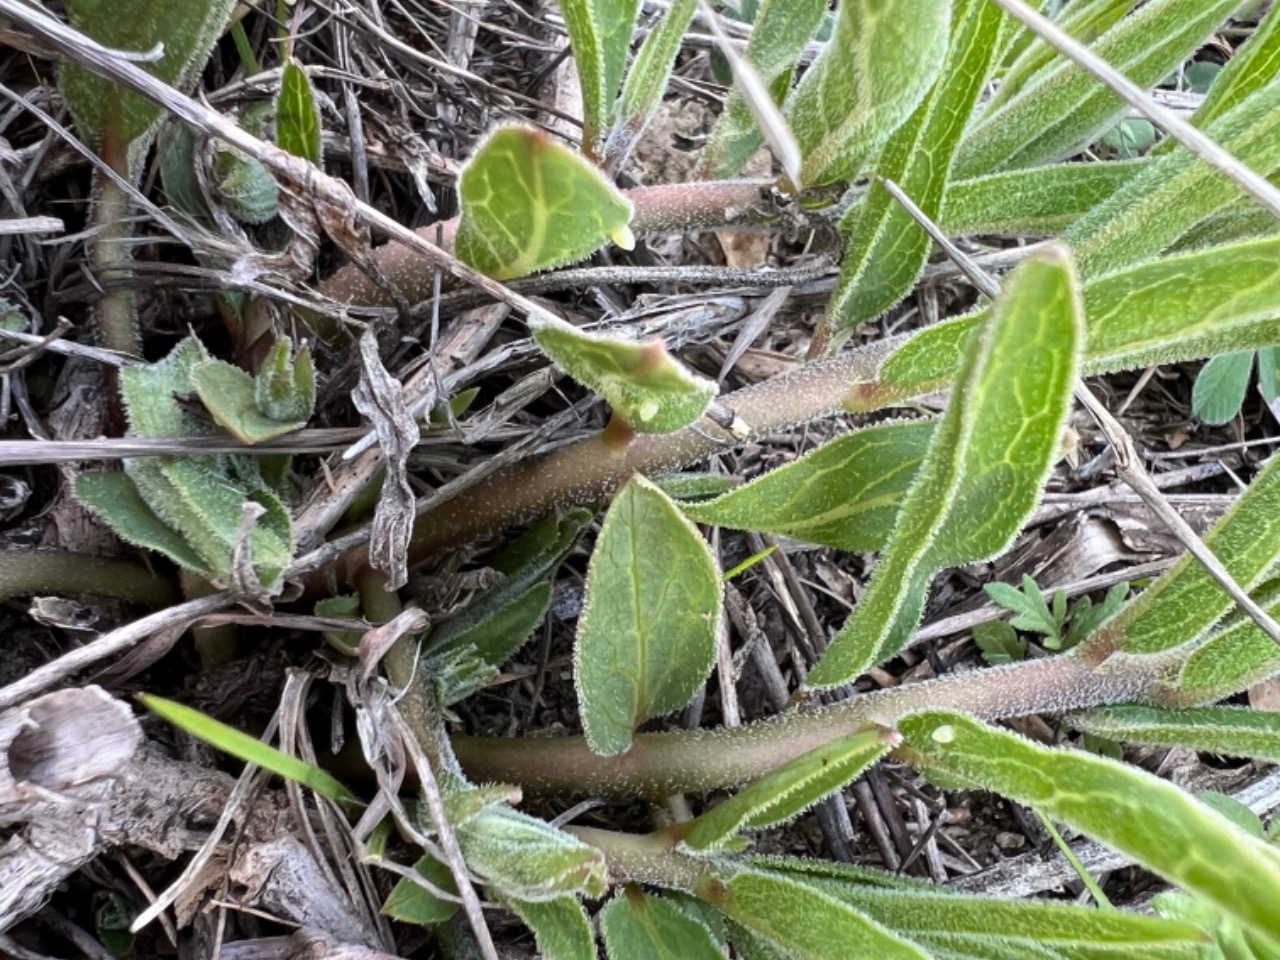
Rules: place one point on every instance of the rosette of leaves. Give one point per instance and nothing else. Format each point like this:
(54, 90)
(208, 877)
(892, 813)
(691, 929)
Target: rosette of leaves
(191, 508)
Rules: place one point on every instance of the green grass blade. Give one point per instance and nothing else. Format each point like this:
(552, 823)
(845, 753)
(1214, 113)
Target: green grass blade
(1160, 826)
(985, 465)
(887, 248)
(244, 747)
(1067, 108)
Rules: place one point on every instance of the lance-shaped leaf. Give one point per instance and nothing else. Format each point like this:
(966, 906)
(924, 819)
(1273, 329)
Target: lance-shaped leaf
(285, 387)
(646, 638)
(560, 927)
(298, 115)
(231, 397)
(1175, 309)
(880, 62)
(887, 248)
(1068, 108)
(647, 80)
(845, 494)
(789, 790)
(1085, 20)
(600, 34)
(114, 498)
(986, 463)
(530, 204)
(149, 391)
(1233, 731)
(526, 858)
(1185, 601)
(650, 390)
(779, 34)
(183, 32)
(802, 921)
(636, 926)
(1160, 826)
(1232, 658)
(1175, 192)
(1038, 200)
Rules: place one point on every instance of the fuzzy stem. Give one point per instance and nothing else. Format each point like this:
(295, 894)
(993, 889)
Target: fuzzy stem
(116, 311)
(665, 209)
(659, 764)
(590, 470)
(27, 572)
(645, 858)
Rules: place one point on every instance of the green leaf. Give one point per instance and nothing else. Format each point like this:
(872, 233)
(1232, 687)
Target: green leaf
(1176, 191)
(695, 486)
(1157, 824)
(1185, 601)
(1176, 309)
(647, 635)
(651, 391)
(782, 28)
(1233, 658)
(285, 387)
(248, 191)
(1233, 731)
(528, 859)
(298, 115)
(230, 396)
(530, 204)
(1066, 108)
(560, 927)
(244, 747)
(600, 34)
(1129, 138)
(492, 622)
(845, 494)
(1254, 65)
(636, 926)
(1269, 373)
(879, 64)
(986, 463)
(114, 498)
(789, 790)
(803, 922)
(1221, 385)
(185, 33)
(647, 80)
(1038, 200)
(409, 902)
(999, 643)
(887, 249)
(149, 390)
(1032, 611)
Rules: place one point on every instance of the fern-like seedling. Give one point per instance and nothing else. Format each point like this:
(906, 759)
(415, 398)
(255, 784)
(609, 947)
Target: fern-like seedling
(190, 508)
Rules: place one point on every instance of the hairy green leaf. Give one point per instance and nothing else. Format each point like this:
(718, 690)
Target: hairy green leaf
(887, 249)
(184, 32)
(285, 387)
(1232, 658)
(1175, 309)
(298, 115)
(530, 204)
(1234, 731)
(1037, 200)
(410, 902)
(880, 62)
(647, 635)
(1066, 108)
(845, 494)
(986, 462)
(231, 397)
(802, 921)
(1185, 601)
(528, 859)
(497, 637)
(650, 390)
(245, 187)
(637, 926)
(789, 790)
(600, 34)
(1220, 386)
(114, 498)
(782, 28)
(1157, 824)
(560, 927)
(149, 390)
(1254, 65)
(647, 80)
(247, 748)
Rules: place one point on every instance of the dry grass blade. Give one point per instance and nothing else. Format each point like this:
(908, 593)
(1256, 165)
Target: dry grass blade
(1255, 185)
